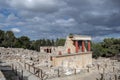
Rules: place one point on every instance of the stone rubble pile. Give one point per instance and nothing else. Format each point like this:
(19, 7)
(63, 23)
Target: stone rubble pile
(107, 68)
(24, 55)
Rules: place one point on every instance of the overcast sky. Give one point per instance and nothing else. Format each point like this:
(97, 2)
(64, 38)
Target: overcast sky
(57, 18)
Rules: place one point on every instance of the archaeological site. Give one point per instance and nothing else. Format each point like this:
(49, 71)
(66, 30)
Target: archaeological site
(73, 61)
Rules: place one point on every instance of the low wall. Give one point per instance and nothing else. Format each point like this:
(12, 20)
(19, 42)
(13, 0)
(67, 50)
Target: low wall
(77, 61)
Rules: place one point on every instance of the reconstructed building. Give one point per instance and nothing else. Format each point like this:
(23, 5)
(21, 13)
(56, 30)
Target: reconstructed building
(77, 44)
(76, 53)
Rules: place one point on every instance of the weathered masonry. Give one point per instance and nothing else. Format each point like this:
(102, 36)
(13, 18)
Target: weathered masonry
(76, 53)
(78, 44)
(77, 61)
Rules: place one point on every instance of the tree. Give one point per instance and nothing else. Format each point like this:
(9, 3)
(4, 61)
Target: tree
(53, 43)
(17, 43)
(48, 42)
(2, 33)
(96, 48)
(37, 45)
(107, 42)
(108, 48)
(60, 42)
(8, 39)
(24, 41)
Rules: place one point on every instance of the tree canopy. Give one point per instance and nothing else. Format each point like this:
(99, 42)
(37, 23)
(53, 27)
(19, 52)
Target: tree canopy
(7, 39)
(108, 48)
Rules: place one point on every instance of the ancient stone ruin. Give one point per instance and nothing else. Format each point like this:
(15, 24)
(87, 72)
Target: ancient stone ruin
(70, 62)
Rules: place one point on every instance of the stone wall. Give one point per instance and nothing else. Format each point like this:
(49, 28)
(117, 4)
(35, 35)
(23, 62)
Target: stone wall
(77, 61)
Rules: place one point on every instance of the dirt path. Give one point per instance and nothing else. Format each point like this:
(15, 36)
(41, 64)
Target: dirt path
(86, 76)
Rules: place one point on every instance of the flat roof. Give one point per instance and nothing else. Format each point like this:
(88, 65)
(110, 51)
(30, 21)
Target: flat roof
(81, 37)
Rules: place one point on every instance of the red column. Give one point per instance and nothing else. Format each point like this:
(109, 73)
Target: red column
(83, 46)
(68, 50)
(60, 53)
(89, 46)
(51, 58)
(76, 45)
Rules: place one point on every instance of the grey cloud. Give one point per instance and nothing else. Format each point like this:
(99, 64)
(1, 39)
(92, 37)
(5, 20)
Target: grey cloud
(43, 6)
(61, 17)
